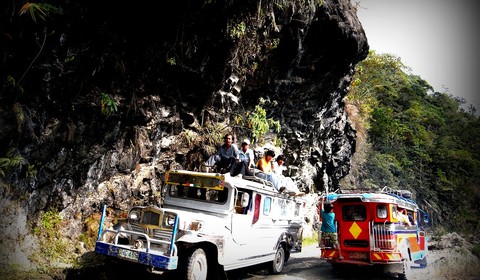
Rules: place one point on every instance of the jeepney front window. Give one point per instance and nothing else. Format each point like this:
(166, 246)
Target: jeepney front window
(381, 211)
(354, 213)
(202, 194)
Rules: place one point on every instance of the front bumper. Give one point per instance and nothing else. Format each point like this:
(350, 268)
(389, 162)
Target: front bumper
(158, 261)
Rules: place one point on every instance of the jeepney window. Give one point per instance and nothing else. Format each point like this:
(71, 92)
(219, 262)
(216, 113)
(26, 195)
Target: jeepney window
(354, 213)
(202, 194)
(297, 209)
(242, 202)
(267, 206)
(381, 211)
(394, 212)
(411, 217)
(283, 206)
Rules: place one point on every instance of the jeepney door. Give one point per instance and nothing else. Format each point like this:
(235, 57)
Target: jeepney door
(252, 229)
(353, 229)
(241, 223)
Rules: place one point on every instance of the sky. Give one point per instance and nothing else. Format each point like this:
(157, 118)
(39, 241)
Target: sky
(438, 39)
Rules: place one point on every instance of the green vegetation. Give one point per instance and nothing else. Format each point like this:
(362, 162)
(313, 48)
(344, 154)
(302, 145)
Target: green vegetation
(310, 240)
(418, 139)
(171, 61)
(109, 105)
(12, 161)
(209, 136)
(238, 30)
(89, 234)
(258, 123)
(476, 250)
(52, 248)
(38, 10)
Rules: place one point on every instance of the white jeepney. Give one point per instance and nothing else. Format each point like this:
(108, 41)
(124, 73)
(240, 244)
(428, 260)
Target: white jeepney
(209, 223)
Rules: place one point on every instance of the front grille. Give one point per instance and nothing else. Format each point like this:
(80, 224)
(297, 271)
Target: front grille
(383, 237)
(151, 218)
(162, 234)
(137, 228)
(165, 235)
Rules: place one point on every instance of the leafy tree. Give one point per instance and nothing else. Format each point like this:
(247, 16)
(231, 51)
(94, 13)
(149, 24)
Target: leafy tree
(257, 123)
(419, 140)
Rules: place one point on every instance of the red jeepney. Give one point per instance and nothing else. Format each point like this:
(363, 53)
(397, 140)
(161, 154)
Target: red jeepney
(377, 228)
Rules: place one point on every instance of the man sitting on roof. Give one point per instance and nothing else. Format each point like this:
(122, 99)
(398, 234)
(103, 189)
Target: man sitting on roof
(281, 183)
(265, 166)
(279, 168)
(245, 162)
(225, 156)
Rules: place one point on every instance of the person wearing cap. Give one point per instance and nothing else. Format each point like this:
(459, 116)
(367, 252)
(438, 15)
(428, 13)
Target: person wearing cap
(246, 154)
(245, 161)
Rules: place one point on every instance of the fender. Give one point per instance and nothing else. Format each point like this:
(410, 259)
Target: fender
(214, 241)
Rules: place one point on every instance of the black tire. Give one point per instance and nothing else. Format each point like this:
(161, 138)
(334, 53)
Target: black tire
(337, 269)
(195, 265)
(276, 266)
(287, 256)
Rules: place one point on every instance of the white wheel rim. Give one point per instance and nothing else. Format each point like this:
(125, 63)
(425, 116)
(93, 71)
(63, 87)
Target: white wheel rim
(199, 269)
(279, 260)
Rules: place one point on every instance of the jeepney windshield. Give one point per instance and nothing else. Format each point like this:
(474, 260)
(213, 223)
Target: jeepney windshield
(197, 187)
(202, 194)
(354, 212)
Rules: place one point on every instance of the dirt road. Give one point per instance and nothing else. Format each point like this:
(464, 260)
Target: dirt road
(305, 265)
(442, 264)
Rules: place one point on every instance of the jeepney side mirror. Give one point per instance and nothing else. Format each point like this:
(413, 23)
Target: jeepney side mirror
(245, 199)
(425, 219)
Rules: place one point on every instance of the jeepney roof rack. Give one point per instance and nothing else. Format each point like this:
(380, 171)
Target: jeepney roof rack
(258, 180)
(353, 191)
(404, 195)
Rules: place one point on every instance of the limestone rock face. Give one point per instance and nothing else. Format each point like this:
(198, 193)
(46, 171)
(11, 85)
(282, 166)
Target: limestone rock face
(170, 71)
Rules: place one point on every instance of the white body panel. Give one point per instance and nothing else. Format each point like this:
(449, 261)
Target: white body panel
(241, 237)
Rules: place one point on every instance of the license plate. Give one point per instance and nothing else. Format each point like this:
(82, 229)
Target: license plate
(358, 255)
(127, 254)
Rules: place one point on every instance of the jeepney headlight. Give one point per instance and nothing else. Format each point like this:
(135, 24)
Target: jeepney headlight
(134, 215)
(169, 220)
(138, 244)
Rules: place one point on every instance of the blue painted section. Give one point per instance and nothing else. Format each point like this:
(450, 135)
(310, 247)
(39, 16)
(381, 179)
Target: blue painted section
(150, 259)
(420, 259)
(100, 228)
(174, 234)
(421, 263)
(332, 197)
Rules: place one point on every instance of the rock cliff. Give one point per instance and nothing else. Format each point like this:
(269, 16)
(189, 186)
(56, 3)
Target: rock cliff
(100, 100)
